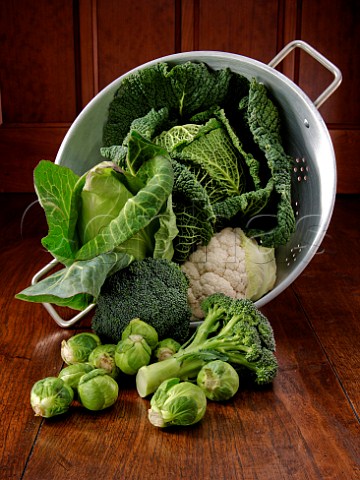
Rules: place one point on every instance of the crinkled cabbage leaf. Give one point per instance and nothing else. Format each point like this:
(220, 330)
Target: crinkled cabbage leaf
(225, 130)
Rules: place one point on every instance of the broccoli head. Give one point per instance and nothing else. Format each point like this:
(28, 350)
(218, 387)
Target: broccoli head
(154, 290)
(252, 320)
(234, 331)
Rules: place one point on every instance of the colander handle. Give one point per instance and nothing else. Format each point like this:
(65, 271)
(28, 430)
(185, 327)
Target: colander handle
(50, 309)
(317, 56)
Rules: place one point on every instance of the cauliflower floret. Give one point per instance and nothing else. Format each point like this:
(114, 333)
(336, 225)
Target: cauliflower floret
(232, 264)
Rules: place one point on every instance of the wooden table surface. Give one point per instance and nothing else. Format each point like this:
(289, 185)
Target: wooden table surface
(305, 426)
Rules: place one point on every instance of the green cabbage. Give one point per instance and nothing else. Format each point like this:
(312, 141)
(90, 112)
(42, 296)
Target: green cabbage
(208, 152)
(100, 222)
(225, 130)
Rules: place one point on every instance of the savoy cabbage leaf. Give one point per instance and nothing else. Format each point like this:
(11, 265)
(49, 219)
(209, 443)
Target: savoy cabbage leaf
(208, 153)
(183, 89)
(195, 218)
(263, 120)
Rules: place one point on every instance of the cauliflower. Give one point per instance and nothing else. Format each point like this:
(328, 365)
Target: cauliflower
(232, 264)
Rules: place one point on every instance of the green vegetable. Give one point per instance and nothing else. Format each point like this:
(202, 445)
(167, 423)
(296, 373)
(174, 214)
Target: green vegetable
(72, 373)
(97, 390)
(154, 290)
(78, 348)
(102, 198)
(99, 223)
(132, 353)
(195, 217)
(183, 89)
(138, 327)
(209, 153)
(103, 356)
(233, 330)
(219, 380)
(177, 403)
(165, 348)
(225, 130)
(50, 396)
(264, 123)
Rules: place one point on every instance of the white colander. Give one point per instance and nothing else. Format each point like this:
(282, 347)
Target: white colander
(305, 138)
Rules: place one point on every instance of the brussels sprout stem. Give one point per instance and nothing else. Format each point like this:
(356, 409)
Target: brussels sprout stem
(156, 418)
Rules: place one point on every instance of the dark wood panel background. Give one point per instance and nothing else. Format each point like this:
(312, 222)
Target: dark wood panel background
(55, 55)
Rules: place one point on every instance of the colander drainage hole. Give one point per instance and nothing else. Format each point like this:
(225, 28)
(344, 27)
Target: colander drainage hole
(301, 169)
(296, 208)
(293, 257)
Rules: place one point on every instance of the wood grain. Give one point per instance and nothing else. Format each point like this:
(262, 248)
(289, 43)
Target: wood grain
(21, 148)
(346, 142)
(189, 12)
(247, 28)
(132, 34)
(88, 51)
(341, 42)
(55, 56)
(335, 318)
(304, 427)
(37, 61)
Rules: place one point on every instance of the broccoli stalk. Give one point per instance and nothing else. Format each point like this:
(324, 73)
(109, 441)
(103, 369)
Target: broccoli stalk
(233, 330)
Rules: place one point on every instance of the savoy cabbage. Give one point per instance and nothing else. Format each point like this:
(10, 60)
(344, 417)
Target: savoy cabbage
(223, 129)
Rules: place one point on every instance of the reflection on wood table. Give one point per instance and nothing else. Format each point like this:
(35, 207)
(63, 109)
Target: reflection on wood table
(304, 426)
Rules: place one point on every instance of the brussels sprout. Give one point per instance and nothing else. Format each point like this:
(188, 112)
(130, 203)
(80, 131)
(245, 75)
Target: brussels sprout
(132, 353)
(177, 403)
(165, 348)
(50, 396)
(103, 356)
(72, 373)
(219, 380)
(78, 348)
(97, 390)
(139, 327)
